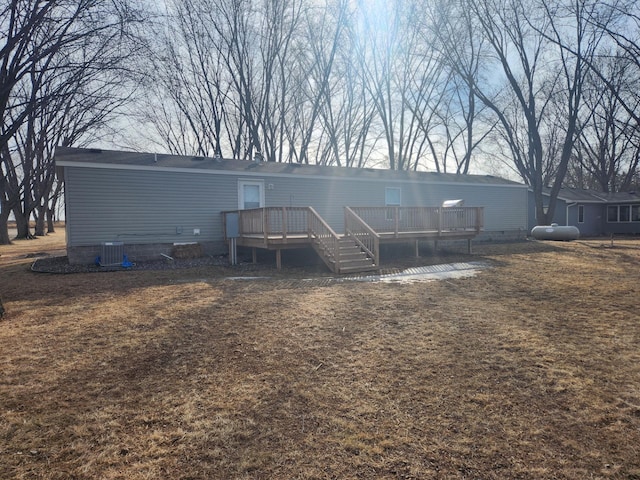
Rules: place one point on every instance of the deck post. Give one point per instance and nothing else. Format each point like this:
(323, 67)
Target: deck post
(417, 248)
(284, 224)
(278, 258)
(254, 255)
(265, 226)
(396, 214)
(233, 252)
(469, 249)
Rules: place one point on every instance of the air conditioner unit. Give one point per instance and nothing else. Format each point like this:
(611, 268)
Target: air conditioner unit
(112, 253)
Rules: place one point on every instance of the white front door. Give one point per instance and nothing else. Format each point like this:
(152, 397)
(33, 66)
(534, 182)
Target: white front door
(250, 194)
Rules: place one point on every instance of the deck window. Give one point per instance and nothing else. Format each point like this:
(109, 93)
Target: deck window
(580, 213)
(635, 213)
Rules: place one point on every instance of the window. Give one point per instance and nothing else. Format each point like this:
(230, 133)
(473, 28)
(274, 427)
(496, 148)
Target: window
(580, 213)
(250, 194)
(392, 198)
(623, 213)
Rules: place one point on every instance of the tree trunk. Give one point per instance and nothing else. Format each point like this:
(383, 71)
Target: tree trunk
(51, 220)
(4, 228)
(40, 221)
(51, 207)
(541, 215)
(22, 224)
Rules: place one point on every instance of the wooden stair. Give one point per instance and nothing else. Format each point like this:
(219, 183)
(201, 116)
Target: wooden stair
(341, 253)
(351, 258)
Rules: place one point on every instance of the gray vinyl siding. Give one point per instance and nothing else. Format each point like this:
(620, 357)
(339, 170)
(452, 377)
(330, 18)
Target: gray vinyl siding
(505, 207)
(145, 206)
(592, 224)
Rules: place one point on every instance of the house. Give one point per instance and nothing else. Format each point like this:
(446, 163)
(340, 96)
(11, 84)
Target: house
(593, 213)
(150, 202)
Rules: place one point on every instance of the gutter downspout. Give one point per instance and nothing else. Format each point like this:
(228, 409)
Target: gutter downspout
(567, 217)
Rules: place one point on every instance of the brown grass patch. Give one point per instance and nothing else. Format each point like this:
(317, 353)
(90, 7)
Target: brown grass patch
(529, 370)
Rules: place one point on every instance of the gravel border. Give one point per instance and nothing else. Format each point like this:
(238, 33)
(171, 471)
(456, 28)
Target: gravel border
(61, 265)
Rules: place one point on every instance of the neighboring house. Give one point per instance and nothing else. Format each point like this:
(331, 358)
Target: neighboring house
(594, 213)
(151, 202)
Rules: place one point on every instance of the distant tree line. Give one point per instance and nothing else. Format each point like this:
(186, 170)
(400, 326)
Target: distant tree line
(542, 90)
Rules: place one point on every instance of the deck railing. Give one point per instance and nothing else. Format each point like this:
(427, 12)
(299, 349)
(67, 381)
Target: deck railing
(269, 221)
(398, 220)
(360, 221)
(284, 222)
(327, 240)
(462, 218)
(363, 234)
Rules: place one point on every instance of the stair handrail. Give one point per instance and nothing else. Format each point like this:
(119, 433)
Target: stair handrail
(329, 240)
(371, 245)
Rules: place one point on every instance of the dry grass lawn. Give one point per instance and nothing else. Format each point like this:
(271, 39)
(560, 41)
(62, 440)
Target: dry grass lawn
(530, 370)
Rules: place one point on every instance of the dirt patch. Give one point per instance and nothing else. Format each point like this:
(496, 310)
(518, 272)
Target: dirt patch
(530, 369)
(187, 251)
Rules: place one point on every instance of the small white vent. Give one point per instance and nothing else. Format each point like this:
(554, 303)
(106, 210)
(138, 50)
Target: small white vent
(112, 253)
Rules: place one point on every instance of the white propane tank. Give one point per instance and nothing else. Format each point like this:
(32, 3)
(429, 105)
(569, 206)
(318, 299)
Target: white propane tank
(555, 232)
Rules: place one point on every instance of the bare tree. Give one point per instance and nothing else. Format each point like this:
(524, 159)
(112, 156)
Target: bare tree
(23, 23)
(609, 147)
(256, 39)
(47, 46)
(620, 22)
(609, 153)
(464, 125)
(187, 86)
(325, 31)
(80, 107)
(297, 81)
(346, 116)
(224, 77)
(422, 84)
(537, 80)
(330, 122)
(404, 78)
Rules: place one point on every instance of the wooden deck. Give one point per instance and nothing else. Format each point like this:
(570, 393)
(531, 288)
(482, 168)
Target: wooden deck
(279, 228)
